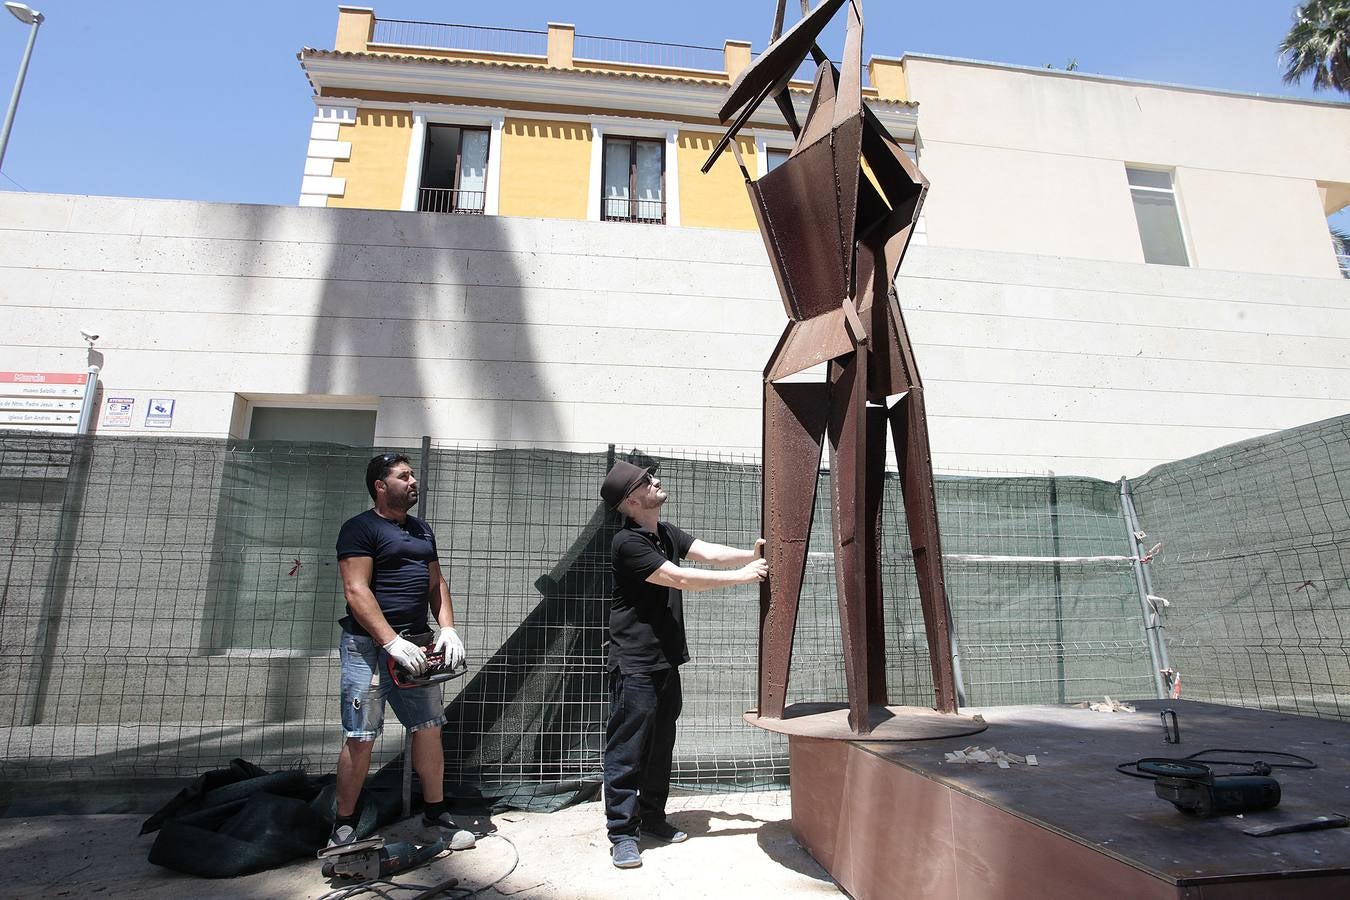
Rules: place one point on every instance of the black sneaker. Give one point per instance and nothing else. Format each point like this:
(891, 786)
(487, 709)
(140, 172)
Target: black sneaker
(625, 854)
(459, 838)
(664, 831)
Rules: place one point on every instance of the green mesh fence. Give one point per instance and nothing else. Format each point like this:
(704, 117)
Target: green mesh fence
(169, 604)
(1254, 567)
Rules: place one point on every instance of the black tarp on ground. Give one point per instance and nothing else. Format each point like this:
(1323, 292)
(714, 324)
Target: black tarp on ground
(244, 819)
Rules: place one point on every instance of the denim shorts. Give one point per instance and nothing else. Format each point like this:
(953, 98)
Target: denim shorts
(366, 686)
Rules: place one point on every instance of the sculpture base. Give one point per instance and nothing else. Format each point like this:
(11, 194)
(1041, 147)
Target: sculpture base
(889, 723)
(891, 821)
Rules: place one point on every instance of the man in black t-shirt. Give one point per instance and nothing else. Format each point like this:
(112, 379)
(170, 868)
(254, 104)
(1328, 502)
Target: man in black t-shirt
(391, 578)
(646, 648)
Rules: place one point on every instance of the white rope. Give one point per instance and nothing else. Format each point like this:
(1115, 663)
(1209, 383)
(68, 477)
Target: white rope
(980, 557)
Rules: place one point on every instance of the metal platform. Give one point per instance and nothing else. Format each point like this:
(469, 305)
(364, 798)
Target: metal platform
(894, 820)
(889, 723)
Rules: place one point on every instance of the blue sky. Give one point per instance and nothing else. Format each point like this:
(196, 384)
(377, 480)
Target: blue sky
(206, 101)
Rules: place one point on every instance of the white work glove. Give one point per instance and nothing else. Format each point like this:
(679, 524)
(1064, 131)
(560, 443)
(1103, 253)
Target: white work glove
(448, 642)
(407, 654)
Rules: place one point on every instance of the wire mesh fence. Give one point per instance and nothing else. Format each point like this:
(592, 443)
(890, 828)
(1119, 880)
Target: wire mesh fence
(170, 604)
(1256, 538)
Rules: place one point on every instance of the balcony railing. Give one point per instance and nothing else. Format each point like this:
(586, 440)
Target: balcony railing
(411, 33)
(615, 209)
(449, 200)
(648, 53)
(473, 38)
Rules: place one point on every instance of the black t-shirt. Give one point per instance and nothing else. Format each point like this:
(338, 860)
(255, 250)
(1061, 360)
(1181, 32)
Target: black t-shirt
(401, 555)
(646, 621)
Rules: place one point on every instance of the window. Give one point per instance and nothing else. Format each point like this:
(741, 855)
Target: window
(1155, 211)
(353, 427)
(454, 170)
(774, 157)
(633, 186)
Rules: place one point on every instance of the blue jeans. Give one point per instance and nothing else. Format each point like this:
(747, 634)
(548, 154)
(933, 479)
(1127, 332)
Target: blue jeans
(639, 742)
(366, 686)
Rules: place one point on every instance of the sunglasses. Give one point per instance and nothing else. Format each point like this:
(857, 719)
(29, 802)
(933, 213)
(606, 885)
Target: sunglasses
(646, 480)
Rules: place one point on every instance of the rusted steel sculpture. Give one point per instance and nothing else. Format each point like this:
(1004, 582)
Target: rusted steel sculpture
(836, 217)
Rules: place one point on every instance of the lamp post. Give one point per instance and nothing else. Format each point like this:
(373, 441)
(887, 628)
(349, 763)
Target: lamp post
(28, 16)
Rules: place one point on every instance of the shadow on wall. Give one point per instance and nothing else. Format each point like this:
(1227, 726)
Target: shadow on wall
(430, 309)
(426, 313)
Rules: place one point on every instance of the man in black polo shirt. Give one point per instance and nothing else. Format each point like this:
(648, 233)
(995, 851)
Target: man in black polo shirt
(391, 578)
(646, 648)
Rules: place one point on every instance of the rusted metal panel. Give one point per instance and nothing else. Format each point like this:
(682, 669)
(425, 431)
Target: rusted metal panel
(803, 222)
(794, 428)
(916, 481)
(874, 600)
(848, 480)
(810, 343)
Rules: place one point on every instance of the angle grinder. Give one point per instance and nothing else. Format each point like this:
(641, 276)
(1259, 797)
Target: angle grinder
(1195, 790)
(436, 671)
(372, 858)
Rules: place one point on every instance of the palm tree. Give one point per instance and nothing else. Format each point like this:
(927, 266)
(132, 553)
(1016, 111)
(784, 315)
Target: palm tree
(1319, 42)
(1340, 239)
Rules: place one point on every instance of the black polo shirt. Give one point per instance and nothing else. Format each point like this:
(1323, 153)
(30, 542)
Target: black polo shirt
(646, 621)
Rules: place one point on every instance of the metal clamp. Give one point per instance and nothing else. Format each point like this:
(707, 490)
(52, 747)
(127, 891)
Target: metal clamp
(1171, 727)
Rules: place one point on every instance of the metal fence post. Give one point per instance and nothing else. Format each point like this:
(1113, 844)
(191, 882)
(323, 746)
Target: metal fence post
(424, 491)
(1157, 647)
(1055, 551)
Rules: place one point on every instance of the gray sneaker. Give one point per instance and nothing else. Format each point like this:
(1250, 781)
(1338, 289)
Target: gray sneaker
(625, 854)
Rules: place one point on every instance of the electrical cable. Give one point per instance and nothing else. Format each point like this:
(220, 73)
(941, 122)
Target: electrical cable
(514, 864)
(1256, 767)
(447, 887)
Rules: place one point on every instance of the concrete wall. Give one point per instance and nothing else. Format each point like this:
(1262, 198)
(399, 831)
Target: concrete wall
(1032, 161)
(551, 333)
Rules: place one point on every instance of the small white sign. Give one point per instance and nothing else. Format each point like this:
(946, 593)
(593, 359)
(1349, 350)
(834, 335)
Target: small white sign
(159, 413)
(117, 412)
(31, 403)
(14, 417)
(42, 390)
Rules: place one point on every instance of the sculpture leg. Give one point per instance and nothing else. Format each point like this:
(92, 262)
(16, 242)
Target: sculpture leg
(916, 478)
(875, 612)
(848, 477)
(794, 427)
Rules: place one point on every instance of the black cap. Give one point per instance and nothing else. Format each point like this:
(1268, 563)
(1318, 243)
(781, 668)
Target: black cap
(619, 483)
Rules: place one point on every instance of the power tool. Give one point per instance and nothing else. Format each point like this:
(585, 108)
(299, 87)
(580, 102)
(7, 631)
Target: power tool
(372, 858)
(1195, 790)
(435, 672)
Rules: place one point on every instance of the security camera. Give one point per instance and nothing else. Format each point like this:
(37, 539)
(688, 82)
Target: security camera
(88, 335)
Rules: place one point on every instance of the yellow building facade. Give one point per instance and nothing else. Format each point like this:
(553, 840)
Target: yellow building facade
(551, 124)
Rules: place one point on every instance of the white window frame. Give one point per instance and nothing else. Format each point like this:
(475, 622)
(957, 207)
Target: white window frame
(762, 147)
(634, 129)
(1171, 174)
(493, 120)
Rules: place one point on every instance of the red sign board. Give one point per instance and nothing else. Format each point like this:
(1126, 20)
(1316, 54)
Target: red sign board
(46, 401)
(42, 377)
